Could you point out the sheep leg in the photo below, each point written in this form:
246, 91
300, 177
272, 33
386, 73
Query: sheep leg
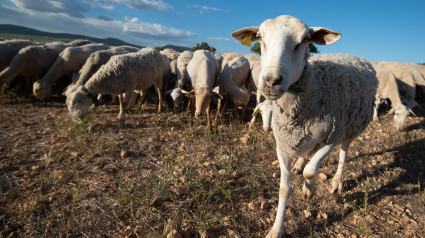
123, 105
298, 166
143, 94
215, 123
284, 190
312, 168
159, 91
375, 109
209, 118
254, 117
337, 179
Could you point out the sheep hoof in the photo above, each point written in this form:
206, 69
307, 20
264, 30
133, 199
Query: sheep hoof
336, 186
296, 170
308, 193
251, 126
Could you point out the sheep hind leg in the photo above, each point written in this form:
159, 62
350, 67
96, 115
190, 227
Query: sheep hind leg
337, 179
284, 191
299, 165
312, 168
123, 103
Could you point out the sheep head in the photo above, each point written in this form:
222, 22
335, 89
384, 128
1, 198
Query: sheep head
79, 101
400, 114
266, 109
202, 98
42, 89
284, 50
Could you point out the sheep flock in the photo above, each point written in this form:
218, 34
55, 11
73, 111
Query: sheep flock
310, 104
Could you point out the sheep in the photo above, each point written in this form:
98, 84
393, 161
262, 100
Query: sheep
387, 88
178, 91
203, 72
9, 48
93, 63
418, 72
68, 62
122, 74
227, 57
232, 80
80, 42
32, 62
405, 82
332, 100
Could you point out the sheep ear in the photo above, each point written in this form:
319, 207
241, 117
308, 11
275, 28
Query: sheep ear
246, 35
217, 95
190, 94
324, 36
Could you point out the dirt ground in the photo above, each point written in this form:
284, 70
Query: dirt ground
158, 175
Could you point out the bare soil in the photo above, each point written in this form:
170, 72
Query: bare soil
159, 175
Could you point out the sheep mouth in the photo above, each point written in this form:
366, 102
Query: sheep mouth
273, 93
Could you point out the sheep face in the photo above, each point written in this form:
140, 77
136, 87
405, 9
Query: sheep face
400, 114
202, 100
177, 96
42, 89
284, 50
243, 99
78, 102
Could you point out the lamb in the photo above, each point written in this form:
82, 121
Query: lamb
68, 62
183, 79
332, 104
387, 88
232, 80
122, 74
203, 72
32, 62
10, 48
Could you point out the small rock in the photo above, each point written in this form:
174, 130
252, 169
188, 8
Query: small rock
323, 176
123, 153
203, 233
276, 175
222, 172
276, 162
374, 162
251, 206
307, 213
264, 205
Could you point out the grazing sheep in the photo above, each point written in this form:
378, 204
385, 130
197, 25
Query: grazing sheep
32, 62
405, 81
94, 62
232, 81
387, 88
9, 48
68, 62
266, 109
122, 74
332, 102
80, 42
203, 72
418, 72
183, 79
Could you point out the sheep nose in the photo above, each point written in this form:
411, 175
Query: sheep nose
273, 81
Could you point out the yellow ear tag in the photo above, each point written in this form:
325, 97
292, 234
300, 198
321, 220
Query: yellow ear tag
192, 96
247, 39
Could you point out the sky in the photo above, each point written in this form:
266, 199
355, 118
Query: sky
375, 30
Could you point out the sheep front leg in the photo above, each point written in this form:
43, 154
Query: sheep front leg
209, 118
215, 123
337, 179
159, 91
123, 105
254, 117
375, 109
284, 190
312, 168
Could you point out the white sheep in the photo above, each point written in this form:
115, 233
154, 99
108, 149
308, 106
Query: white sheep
227, 57
32, 62
9, 48
203, 72
233, 79
332, 105
122, 74
93, 63
387, 88
69, 61
182, 80
405, 81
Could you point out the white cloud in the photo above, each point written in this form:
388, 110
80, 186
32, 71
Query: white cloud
204, 8
145, 4
131, 30
218, 38
69, 7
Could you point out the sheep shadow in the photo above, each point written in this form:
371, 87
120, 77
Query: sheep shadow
409, 161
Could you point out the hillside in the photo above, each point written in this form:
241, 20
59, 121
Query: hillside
9, 31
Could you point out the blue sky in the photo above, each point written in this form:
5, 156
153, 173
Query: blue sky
376, 30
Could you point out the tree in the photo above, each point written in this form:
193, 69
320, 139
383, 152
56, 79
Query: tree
159, 48
203, 46
257, 48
